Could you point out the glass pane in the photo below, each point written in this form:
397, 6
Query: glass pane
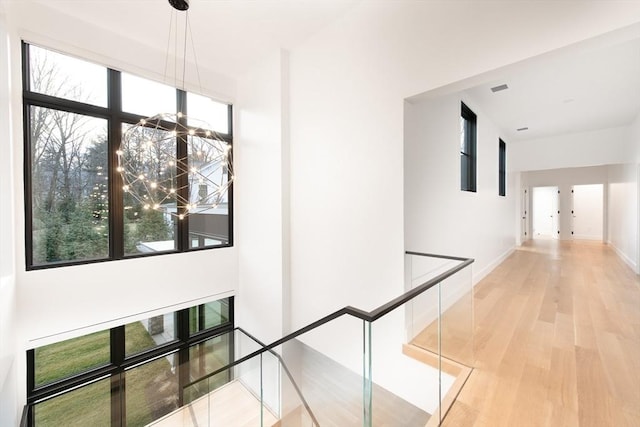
86, 406
149, 174
149, 333
146, 97
208, 315
51, 73
209, 184
69, 186
326, 363
215, 114
151, 391
207, 357
64, 359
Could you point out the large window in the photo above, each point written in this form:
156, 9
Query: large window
75, 114
132, 374
468, 140
502, 168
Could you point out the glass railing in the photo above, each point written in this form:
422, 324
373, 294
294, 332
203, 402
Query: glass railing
258, 391
440, 325
400, 364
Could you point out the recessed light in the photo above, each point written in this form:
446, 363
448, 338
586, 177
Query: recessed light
568, 100
499, 88
522, 129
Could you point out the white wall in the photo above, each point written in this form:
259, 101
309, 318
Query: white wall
9, 406
635, 138
564, 179
261, 190
601, 147
348, 84
55, 304
67, 296
623, 212
347, 89
439, 217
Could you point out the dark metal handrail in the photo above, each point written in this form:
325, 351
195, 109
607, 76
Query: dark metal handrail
369, 316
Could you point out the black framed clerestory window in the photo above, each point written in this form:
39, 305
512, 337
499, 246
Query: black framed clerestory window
502, 168
76, 210
468, 142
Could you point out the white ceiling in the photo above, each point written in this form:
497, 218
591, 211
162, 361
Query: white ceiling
579, 90
240, 32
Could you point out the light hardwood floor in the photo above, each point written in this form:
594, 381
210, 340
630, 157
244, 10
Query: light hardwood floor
232, 405
557, 341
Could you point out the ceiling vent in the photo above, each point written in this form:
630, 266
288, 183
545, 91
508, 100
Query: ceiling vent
499, 88
522, 129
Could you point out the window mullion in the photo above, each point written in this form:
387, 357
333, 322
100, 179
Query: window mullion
117, 344
182, 154
116, 209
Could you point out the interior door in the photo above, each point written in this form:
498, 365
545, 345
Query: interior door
587, 212
545, 212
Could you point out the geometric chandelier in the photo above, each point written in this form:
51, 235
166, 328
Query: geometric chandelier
173, 163
160, 178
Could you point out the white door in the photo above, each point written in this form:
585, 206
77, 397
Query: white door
587, 212
545, 212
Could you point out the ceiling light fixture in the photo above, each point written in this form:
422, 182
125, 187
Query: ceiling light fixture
522, 129
499, 88
173, 163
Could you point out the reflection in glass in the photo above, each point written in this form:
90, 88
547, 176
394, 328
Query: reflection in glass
205, 358
149, 333
148, 226
54, 74
151, 391
69, 186
146, 97
86, 406
208, 183
214, 113
209, 315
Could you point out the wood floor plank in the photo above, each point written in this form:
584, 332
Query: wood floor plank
556, 340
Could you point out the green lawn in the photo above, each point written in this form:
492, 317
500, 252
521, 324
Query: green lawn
151, 389
66, 358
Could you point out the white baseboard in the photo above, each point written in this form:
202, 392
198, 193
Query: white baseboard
477, 277
625, 258
587, 237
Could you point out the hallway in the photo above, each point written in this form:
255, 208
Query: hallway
557, 341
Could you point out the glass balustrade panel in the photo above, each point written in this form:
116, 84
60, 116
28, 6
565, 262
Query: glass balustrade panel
405, 379
151, 390
326, 365
439, 325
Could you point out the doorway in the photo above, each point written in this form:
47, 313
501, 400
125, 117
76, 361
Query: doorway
545, 213
587, 212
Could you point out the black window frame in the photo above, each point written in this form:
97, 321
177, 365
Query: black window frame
468, 150
116, 118
120, 362
502, 168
